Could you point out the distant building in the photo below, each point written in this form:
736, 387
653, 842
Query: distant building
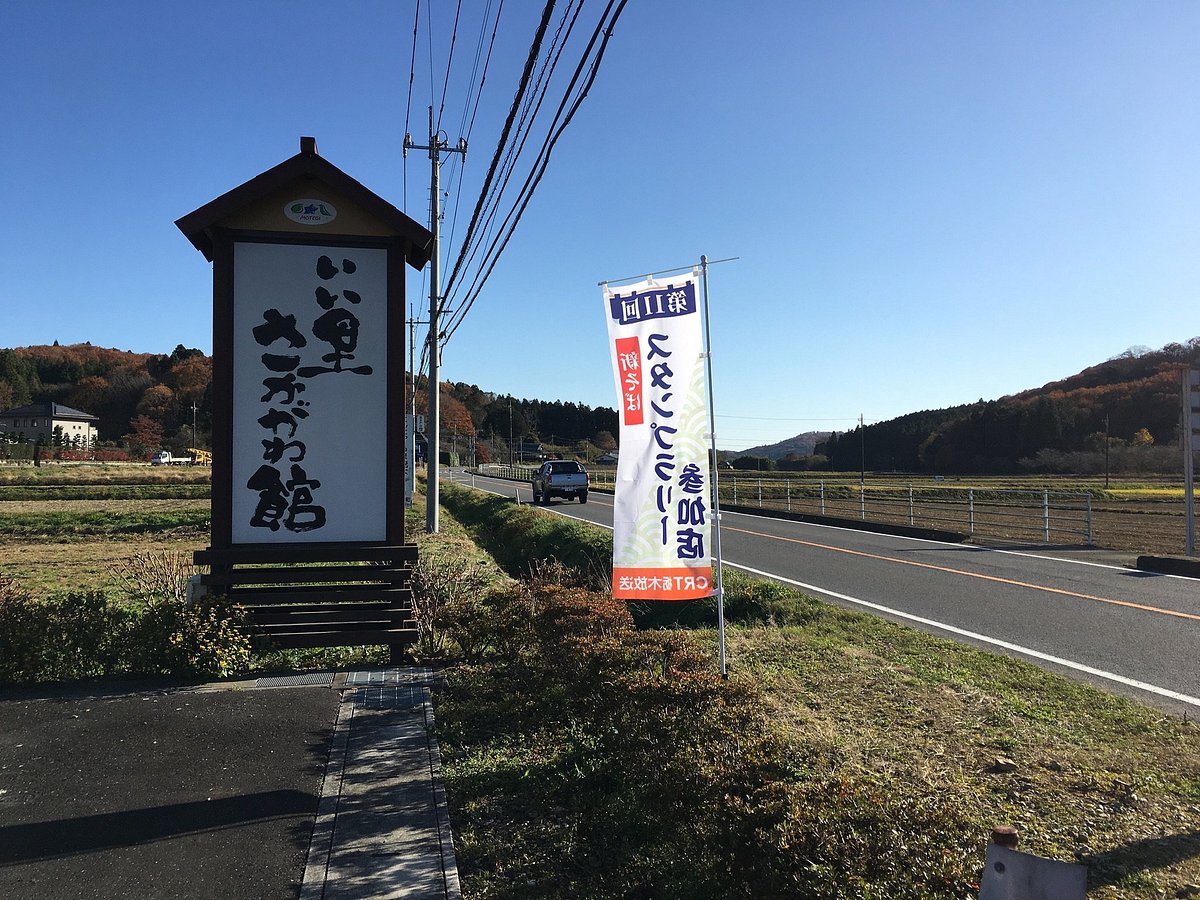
42, 422
607, 459
530, 450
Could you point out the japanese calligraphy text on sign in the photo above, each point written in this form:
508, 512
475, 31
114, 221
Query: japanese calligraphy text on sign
310, 398
661, 510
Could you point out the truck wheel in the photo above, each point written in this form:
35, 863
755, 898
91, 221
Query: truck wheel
533, 489
583, 497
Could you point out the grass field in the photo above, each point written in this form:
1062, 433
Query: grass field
867, 703
73, 524
889, 717
77, 526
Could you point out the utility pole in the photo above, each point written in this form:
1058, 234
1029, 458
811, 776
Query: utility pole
1106, 451
862, 435
410, 431
437, 145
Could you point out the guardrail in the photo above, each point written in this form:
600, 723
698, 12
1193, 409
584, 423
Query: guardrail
1051, 516
1014, 514
513, 473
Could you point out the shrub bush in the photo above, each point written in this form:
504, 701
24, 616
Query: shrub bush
593, 759
448, 580
82, 634
519, 537
524, 539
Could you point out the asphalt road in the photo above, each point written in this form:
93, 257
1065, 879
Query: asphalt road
1129, 631
132, 792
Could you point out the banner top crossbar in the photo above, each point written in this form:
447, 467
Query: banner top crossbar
674, 271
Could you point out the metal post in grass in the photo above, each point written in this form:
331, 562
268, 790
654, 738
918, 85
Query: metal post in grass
1189, 393
1046, 515
760, 492
1089, 519
788, 485
719, 591
970, 510
822, 498
862, 501
911, 520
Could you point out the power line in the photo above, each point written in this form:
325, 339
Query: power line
530, 61
412, 71
458, 166
792, 419
429, 43
604, 27
542, 160
449, 60
530, 108
486, 64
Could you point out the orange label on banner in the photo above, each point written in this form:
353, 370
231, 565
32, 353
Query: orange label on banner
662, 584
629, 369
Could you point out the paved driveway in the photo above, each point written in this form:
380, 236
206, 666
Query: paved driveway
160, 792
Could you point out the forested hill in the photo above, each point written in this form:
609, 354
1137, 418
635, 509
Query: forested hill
144, 396
1133, 399
147, 401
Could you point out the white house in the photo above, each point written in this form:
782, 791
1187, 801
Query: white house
39, 422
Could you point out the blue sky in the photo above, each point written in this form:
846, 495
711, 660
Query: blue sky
931, 202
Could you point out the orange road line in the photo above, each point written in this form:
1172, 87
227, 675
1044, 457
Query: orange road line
995, 578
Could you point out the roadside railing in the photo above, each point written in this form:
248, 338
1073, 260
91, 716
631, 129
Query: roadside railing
1061, 517
513, 473
1049, 516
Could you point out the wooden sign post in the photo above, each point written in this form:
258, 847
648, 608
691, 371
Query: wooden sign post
308, 403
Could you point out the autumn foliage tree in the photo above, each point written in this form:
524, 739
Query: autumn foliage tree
145, 436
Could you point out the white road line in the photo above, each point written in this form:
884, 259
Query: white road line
973, 635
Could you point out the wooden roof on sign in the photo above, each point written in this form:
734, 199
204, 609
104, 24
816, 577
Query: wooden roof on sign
302, 176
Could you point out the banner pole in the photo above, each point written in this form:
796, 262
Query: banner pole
714, 474
1188, 461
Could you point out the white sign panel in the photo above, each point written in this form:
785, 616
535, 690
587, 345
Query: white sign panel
661, 513
309, 393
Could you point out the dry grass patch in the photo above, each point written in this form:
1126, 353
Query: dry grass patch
103, 473
1084, 775
44, 567
22, 507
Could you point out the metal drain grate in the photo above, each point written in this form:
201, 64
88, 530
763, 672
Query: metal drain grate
309, 679
406, 675
402, 696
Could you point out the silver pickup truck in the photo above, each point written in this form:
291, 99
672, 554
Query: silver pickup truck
560, 478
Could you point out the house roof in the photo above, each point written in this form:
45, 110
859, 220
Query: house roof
48, 411
305, 166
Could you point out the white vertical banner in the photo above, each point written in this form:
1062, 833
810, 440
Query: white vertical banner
661, 512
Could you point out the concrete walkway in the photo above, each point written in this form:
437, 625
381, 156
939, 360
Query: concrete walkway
119, 789
382, 829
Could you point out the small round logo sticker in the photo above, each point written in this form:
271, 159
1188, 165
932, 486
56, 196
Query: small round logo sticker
310, 212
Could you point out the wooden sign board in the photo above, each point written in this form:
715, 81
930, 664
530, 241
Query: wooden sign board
308, 375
